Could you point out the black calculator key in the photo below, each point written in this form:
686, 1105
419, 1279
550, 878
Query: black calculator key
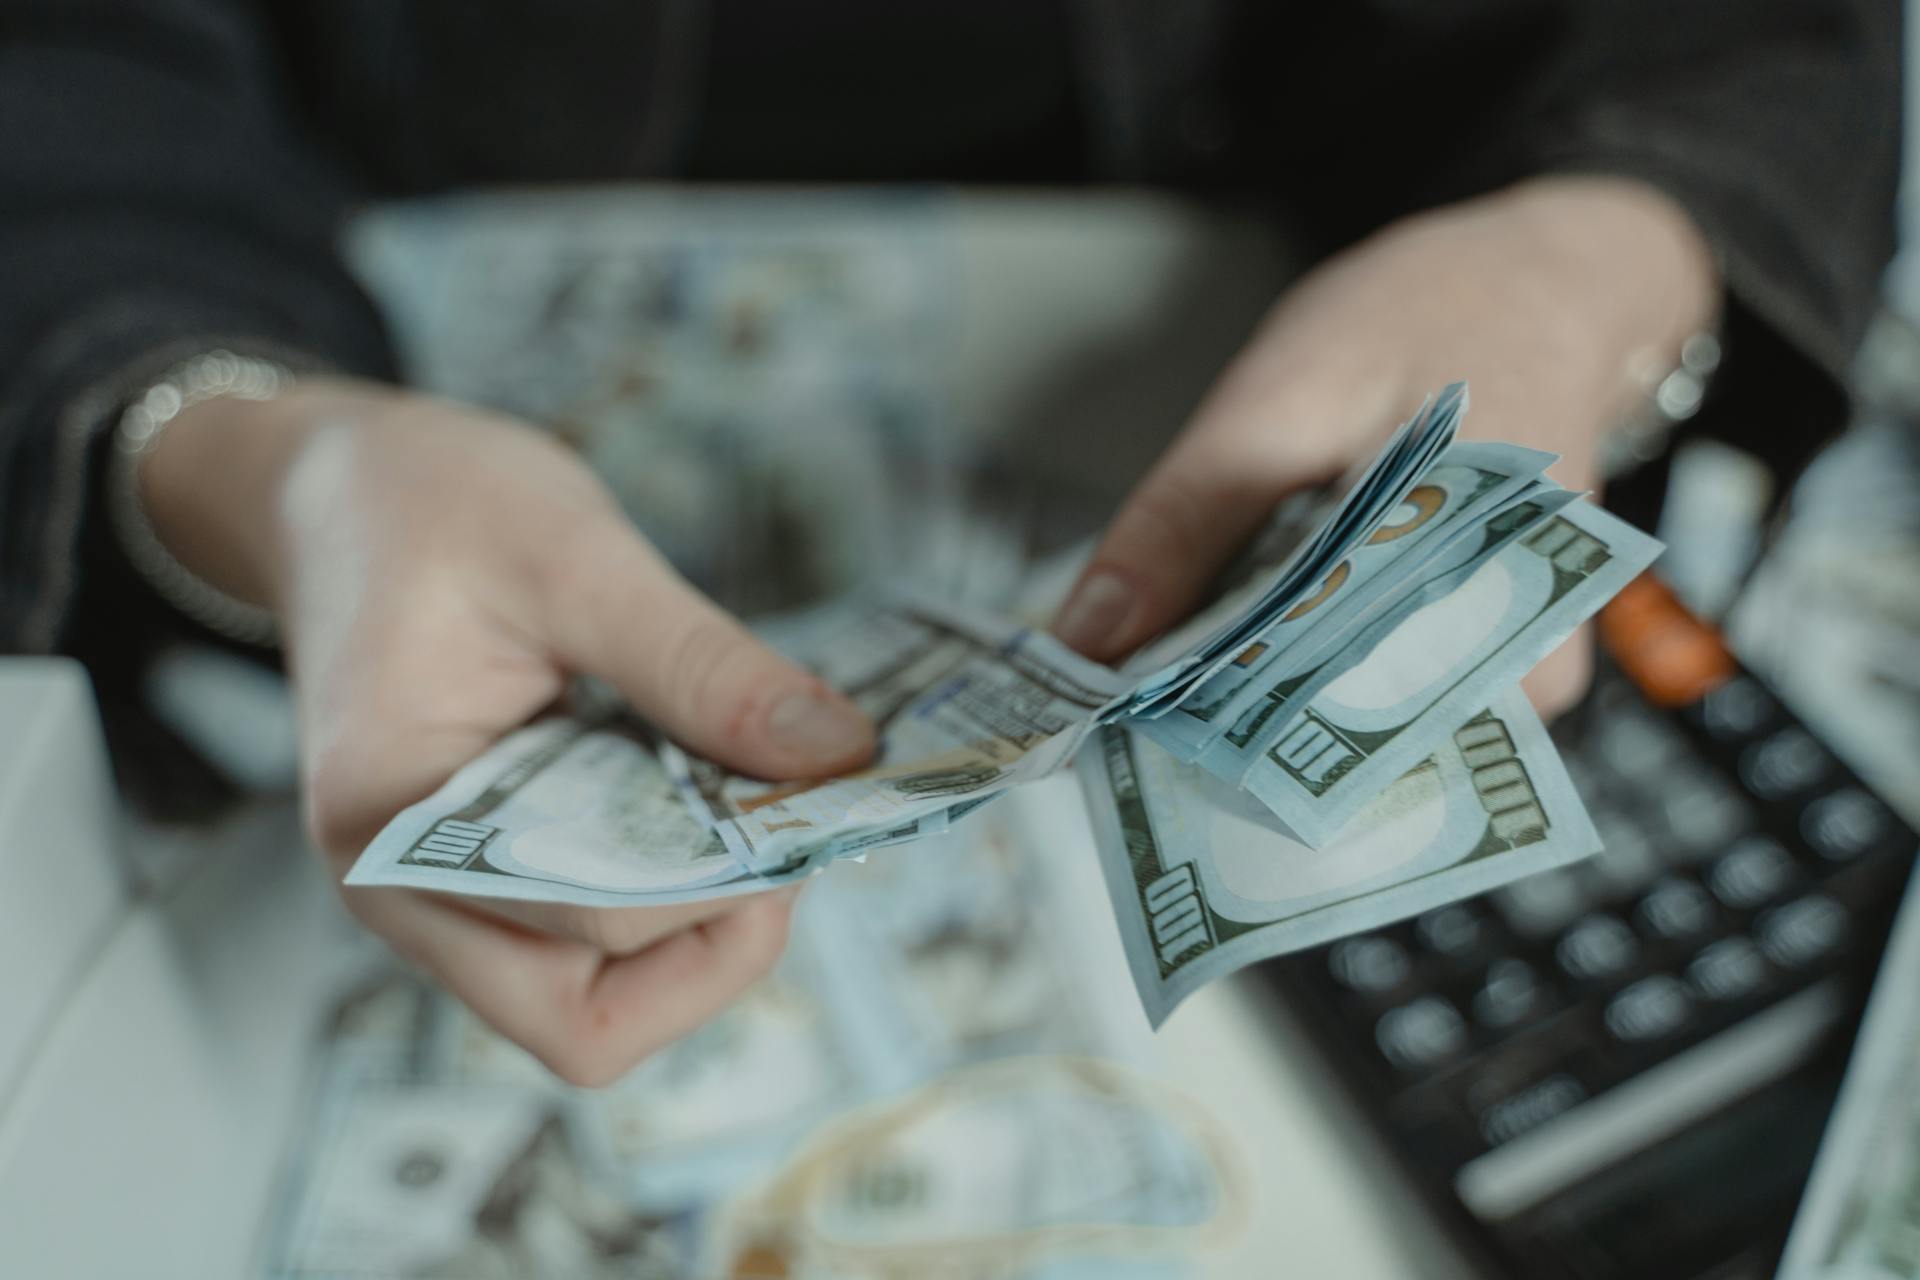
1371, 964
1803, 932
1786, 764
1628, 860
1634, 745
1421, 1034
1655, 1008
1846, 824
1753, 872
1539, 906
1737, 709
1598, 947
1506, 1118
1511, 993
1703, 813
1457, 930
1728, 970
1676, 908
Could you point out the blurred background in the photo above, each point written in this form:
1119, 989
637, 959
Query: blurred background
1622, 1069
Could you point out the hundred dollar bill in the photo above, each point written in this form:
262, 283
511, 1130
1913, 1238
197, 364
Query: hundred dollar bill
1370, 626
1026, 1167
1860, 1216
1472, 483
561, 811
1306, 541
1203, 881
1342, 733
966, 708
601, 813
1254, 717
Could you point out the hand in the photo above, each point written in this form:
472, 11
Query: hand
1543, 296
438, 573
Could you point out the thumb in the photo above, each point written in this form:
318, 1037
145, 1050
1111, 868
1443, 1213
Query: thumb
1171, 538
615, 609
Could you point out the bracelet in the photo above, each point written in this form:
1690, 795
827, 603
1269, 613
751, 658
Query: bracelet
205, 377
1673, 394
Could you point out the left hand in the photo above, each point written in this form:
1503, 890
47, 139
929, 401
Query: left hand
1542, 296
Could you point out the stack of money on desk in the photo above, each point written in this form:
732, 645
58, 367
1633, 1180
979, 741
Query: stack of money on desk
1336, 742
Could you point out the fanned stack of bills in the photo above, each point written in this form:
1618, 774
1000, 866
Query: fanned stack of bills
1336, 742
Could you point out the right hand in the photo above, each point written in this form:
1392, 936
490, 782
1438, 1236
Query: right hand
438, 573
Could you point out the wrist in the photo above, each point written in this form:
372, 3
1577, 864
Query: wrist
212, 483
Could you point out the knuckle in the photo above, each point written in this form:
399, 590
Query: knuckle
576, 1042
613, 932
583, 1066
1169, 520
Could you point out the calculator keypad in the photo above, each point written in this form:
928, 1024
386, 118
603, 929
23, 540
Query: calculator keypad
1740, 859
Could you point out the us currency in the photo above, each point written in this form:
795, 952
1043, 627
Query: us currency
603, 814
1365, 628
965, 708
1470, 484
1339, 734
1302, 546
1860, 1216
1204, 881
405, 1170
1033, 1168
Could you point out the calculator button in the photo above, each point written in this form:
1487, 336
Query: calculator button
1753, 871
1651, 1009
1511, 993
1802, 931
1703, 816
1634, 745
1737, 709
1422, 1033
1845, 824
1528, 1108
1541, 904
1369, 965
1676, 909
1626, 862
1455, 930
1600, 946
1727, 970
1785, 764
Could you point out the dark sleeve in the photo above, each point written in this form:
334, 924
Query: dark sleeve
1774, 123
157, 199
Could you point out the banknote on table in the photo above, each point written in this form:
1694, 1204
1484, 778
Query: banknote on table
1860, 1216
1204, 881
1030, 1168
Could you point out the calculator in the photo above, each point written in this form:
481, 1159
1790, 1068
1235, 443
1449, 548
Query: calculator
1622, 1068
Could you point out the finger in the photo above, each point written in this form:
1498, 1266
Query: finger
1559, 680
615, 609
588, 1018
649, 999
613, 931
1171, 538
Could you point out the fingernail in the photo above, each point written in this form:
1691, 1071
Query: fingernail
807, 724
1094, 613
